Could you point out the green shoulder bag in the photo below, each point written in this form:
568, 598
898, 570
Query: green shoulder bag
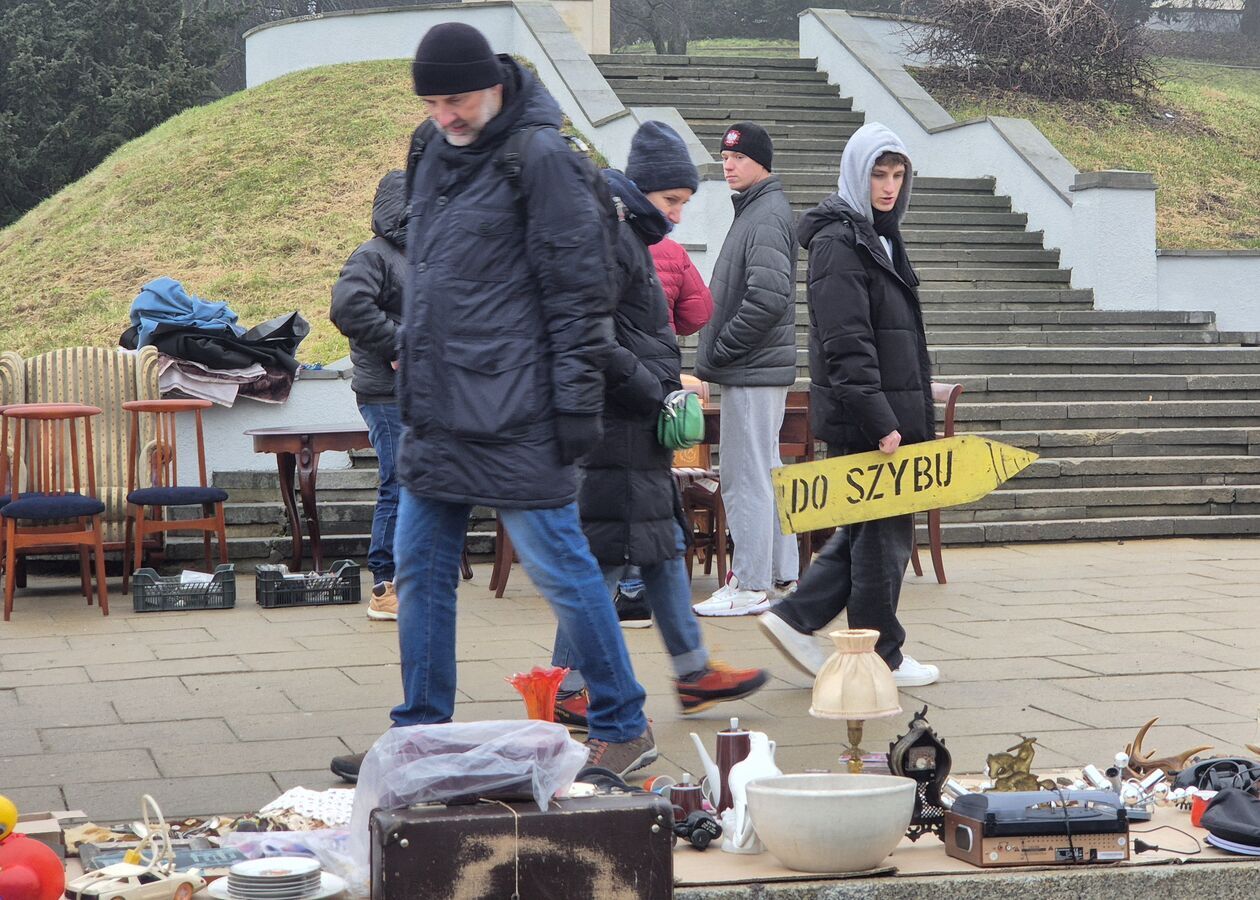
681, 422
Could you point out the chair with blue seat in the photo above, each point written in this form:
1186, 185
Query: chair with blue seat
52, 452
164, 490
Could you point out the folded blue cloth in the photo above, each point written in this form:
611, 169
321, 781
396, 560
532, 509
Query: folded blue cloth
165, 300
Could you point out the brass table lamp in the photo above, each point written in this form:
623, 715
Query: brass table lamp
854, 685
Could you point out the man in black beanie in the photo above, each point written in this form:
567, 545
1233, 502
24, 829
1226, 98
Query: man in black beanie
749, 347
506, 332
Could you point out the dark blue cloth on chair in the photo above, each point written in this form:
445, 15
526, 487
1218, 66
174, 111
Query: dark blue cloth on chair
192, 495
52, 506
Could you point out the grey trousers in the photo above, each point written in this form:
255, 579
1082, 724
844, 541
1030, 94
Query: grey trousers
749, 449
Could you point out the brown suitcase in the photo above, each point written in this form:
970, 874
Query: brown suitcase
609, 846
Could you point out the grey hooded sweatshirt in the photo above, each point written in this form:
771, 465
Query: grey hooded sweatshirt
751, 339
869, 368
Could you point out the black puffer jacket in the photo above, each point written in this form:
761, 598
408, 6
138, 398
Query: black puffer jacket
628, 500
751, 339
868, 361
367, 300
508, 321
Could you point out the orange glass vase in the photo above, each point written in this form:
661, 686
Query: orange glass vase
539, 687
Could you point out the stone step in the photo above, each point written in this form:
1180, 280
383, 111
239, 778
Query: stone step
1067, 320
759, 63
930, 219
1024, 299
617, 73
695, 90
971, 274
923, 255
971, 238
836, 114
1140, 387
780, 105
1001, 417
1120, 442
955, 200
1141, 471
1102, 337
1040, 504
1100, 529
951, 361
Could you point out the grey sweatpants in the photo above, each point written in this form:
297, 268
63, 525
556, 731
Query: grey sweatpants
749, 449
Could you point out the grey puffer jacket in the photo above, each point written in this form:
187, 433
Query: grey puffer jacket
508, 321
751, 339
367, 300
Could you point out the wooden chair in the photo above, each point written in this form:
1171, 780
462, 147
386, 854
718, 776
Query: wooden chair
705, 509
46, 437
947, 393
162, 456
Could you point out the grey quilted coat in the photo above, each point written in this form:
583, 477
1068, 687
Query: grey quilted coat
751, 339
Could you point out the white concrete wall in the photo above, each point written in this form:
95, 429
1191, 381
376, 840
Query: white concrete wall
1224, 282
321, 400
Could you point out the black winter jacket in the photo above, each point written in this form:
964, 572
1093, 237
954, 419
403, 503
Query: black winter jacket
508, 320
868, 360
628, 500
751, 338
367, 300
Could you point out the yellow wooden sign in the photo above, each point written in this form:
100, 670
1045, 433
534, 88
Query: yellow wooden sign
874, 485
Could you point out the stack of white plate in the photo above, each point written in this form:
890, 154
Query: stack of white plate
277, 878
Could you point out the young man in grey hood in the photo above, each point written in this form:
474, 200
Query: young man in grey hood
870, 389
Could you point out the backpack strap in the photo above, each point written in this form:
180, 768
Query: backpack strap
420, 139
511, 158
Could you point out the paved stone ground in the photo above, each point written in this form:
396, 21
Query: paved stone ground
219, 711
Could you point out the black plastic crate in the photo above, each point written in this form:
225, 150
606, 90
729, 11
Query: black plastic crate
276, 586
151, 592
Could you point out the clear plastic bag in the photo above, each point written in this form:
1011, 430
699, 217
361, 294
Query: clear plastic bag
437, 763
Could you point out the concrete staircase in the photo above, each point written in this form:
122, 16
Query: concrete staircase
1148, 423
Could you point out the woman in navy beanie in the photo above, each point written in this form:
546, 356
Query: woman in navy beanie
628, 502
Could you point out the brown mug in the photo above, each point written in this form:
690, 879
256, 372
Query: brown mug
687, 798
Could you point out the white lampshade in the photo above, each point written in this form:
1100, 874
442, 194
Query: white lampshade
854, 682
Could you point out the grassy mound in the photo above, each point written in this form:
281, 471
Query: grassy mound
1200, 138
256, 199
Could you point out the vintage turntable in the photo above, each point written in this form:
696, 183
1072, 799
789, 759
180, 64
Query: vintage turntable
1037, 828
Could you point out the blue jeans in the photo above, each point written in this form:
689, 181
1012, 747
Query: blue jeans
556, 557
668, 592
385, 430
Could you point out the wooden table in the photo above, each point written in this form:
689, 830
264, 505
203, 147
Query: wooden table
298, 447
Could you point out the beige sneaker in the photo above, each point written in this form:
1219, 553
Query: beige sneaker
384, 602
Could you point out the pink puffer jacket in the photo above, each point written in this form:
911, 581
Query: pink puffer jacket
690, 303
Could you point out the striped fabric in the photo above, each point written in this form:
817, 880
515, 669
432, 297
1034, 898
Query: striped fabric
98, 376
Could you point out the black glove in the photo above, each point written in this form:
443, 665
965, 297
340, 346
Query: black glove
577, 435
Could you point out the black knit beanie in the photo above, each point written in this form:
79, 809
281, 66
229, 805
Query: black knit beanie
751, 140
454, 58
659, 160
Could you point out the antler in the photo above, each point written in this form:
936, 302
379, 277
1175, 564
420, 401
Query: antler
1141, 764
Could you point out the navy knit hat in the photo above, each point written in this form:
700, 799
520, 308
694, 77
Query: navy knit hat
659, 160
750, 139
454, 58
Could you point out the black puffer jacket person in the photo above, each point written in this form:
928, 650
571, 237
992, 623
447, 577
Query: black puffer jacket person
751, 339
870, 373
628, 500
367, 300
508, 324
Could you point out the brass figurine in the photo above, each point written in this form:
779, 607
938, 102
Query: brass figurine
1141, 764
1012, 770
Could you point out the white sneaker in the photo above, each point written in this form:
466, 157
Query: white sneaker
805, 651
737, 602
729, 587
912, 673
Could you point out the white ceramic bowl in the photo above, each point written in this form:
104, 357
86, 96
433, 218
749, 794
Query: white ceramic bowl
831, 822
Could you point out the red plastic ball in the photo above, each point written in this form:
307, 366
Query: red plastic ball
30, 870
